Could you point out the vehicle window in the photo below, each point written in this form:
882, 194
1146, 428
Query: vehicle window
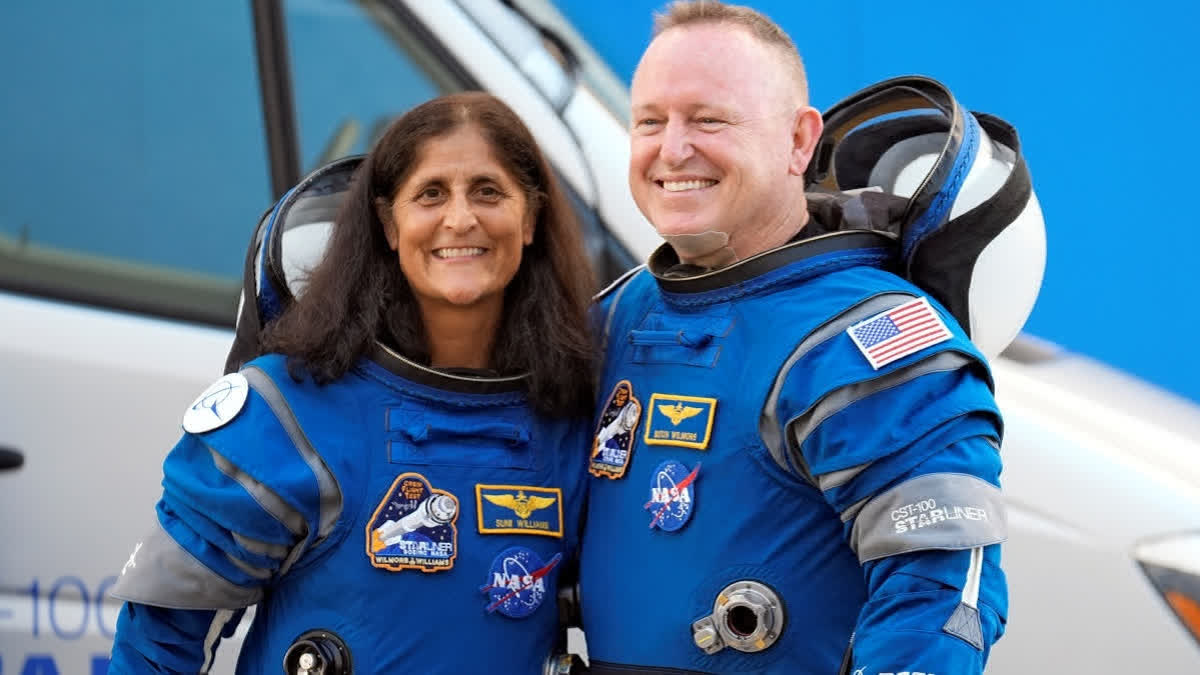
355, 68
134, 155
594, 72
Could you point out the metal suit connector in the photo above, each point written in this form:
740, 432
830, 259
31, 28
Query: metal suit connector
747, 616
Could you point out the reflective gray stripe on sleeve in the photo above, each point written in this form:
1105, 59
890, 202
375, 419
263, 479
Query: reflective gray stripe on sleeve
828, 481
271, 502
948, 511
768, 421
161, 573
261, 547
801, 427
248, 569
852, 510
214, 633
330, 491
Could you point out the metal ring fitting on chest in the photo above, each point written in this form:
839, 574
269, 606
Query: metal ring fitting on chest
747, 616
318, 652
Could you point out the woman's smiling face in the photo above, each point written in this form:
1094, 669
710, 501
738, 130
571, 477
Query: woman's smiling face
458, 223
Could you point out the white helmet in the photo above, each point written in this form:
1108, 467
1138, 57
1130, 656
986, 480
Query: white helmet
972, 233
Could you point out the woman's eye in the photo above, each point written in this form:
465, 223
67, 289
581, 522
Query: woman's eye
429, 194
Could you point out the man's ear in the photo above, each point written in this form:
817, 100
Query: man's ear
383, 209
806, 131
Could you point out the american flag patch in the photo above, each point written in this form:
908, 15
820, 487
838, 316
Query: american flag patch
898, 332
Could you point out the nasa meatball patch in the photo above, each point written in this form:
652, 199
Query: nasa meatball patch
613, 443
414, 527
518, 581
219, 404
672, 495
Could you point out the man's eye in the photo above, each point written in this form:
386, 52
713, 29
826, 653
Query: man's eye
647, 123
709, 121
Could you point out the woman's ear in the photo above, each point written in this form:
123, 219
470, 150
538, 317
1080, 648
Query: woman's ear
528, 229
529, 226
383, 209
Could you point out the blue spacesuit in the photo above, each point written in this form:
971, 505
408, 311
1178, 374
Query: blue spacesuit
790, 451
418, 518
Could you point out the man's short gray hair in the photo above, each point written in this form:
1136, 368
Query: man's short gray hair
682, 13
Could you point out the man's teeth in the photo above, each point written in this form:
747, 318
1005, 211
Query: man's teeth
681, 185
457, 252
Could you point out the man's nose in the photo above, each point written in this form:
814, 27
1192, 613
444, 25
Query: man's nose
676, 143
459, 215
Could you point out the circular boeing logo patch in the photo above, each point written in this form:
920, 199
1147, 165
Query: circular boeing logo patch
672, 495
517, 582
219, 404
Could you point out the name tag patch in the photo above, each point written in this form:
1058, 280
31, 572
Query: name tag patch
615, 433
414, 527
685, 421
519, 509
517, 582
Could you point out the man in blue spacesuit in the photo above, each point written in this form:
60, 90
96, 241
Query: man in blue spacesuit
796, 461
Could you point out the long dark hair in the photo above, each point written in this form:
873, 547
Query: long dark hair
358, 294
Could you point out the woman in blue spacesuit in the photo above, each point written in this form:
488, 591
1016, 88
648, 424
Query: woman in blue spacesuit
395, 485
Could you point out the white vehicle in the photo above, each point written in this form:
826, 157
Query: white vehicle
142, 142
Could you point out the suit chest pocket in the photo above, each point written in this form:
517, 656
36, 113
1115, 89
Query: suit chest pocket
682, 339
498, 438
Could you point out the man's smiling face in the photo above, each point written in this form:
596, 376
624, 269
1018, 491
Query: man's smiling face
713, 136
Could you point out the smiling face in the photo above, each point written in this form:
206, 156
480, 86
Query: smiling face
720, 138
458, 223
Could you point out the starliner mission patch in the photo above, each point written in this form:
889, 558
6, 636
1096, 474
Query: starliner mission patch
414, 527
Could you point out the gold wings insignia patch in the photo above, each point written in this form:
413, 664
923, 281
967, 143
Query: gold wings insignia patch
678, 412
521, 504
